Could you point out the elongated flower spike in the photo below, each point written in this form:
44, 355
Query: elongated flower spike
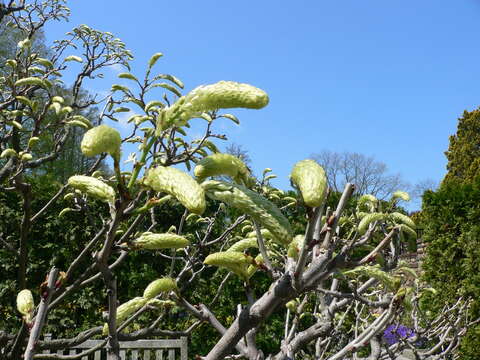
126, 310
309, 177
253, 204
221, 95
244, 244
178, 184
149, 241
159, 286
402, 195
368, 219
221, 164
401, 218
236, 262
93, 187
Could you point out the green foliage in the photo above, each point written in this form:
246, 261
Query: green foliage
463, 153
451, 232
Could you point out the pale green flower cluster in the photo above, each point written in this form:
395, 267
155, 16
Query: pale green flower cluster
236, 262
178, 184
92, 187
391, 282
159, 286
150, 241
25, 304
221, 164
309, 177
221, 95
253, 204
101, 139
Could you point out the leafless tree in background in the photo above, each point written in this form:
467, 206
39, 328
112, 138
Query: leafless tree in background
240, 152
369, 175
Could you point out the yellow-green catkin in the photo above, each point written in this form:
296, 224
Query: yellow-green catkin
253, 204
159, 286
92, 187
221, 95
236, 262
221, 164
25, 304
244, 244
367, 220
101, 139
178, 184
149, 241
309, 177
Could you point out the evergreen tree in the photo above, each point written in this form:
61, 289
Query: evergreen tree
463, 153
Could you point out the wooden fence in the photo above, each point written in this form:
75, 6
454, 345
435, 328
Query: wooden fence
174, 349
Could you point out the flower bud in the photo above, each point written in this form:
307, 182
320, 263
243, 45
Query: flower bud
151, 241
159, 286
8, 153
92, 187
178, 184
221, 95
236, 262
292, 305
33, 141
101, 139
265, 212
310, 179
25, 304
221, 164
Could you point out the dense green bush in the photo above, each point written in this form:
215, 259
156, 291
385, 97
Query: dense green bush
452, 235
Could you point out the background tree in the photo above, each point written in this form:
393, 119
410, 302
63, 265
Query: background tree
71, 160
240, 152
450, 220
369, 175
463, 152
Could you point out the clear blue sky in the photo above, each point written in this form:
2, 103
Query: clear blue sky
382, 78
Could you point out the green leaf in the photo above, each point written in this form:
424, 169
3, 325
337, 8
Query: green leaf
33, 81
231, 117
172, 78
24, 101
77, 123
44, 62
117, 87
154, 59
153, 103
168, 87
127, 76
121, 109
73, 58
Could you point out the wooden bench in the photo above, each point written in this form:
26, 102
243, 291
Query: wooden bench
174, 349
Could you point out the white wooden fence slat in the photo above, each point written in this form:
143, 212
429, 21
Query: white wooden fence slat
184, 348
146, 354
171, 354
159, 354
134, 354
123, 354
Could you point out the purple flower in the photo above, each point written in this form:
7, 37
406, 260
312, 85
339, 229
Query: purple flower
393, 333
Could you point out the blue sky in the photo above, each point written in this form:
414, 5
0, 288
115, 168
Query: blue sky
383, 78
